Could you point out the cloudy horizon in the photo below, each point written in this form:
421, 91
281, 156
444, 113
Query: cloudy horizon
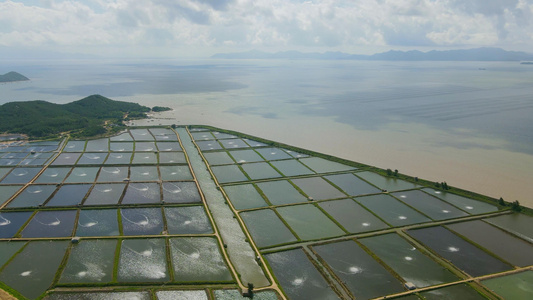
196, 28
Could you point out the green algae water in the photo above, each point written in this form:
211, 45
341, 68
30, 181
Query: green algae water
363, 275
298, 277
32, 271
266, 228
408, 261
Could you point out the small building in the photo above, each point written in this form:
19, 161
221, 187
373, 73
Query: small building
410, 286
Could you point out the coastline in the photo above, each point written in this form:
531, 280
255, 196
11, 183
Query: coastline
494, 172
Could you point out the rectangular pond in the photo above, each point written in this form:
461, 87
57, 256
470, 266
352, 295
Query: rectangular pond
281, 192
515, 286
20, 175
407, 261
142, 193
362, 274
233, 143
516, 223
174, 173
218, 158
105, 194
163, 134
145, 147
69, 195
113, 174
97, 222
352, 216
266, 228
82, 175
32, 196
261, 170
143, 260
244, 196
198, 259
7, 191
321, 165
146, 173
208, 145
429, 205
172, 158
202, 136
141, 135
230, 173
318, 189
119, 158
187, 220
11, 222
59, 223
142, 221
75, 146
386, 183
123, 137
168, 146
309, 222
512, 249
471, 206
32, 271
8, 249
242, 156
92, 159
352, 185
90, 261
66, 159
458, 291
53, 175
181, 192
298, 277
459, 252
291, 167
273, 153
121, 147
391, 210
254, 143
99, 145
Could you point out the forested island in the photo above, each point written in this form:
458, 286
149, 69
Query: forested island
90, 116
12, 77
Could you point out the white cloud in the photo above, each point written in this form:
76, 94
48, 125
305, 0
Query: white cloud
244, 24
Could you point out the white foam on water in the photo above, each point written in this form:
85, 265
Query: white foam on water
365, 224
403, 196
22, 173
35, 191
453, 249
145, 173
298, 281
354, 270
402, 217
408, 258
445, 211
4, 221
88, 224
25, 273
82, 274
242, 160
82, 174
437, 192
173, 173
469, 207
187, 222
144, 222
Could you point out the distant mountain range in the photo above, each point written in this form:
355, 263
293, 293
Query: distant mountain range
477, 54
13, 76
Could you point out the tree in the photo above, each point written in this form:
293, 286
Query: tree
389, 172
501, 202
396, 172
516, 206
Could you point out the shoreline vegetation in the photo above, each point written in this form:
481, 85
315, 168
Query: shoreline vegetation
12, 77
92, 116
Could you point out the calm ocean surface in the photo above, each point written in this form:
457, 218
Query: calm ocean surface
467, 123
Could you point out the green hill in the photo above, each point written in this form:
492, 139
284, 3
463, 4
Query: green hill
13, 76
85, 117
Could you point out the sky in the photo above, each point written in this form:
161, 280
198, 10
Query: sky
199, 28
